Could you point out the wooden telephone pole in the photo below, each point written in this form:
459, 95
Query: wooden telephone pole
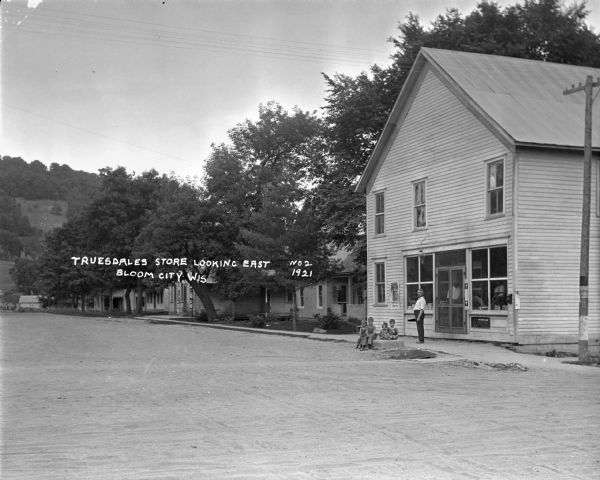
584, 259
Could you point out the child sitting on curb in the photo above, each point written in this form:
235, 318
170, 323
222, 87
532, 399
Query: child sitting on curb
361, 341
384, 333
393, 330
370, 333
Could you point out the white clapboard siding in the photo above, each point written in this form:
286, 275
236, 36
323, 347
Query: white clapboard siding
441, 141
549, 235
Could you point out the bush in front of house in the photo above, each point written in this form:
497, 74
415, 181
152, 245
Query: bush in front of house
257, 321
329, 321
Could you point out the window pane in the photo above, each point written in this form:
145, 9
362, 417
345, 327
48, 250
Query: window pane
411, 295
379, 203
498, 262
451, 258
499, 174
379, 272
493, 201
419, 194
379, 224
428, 294
381, 293
499, 288
426, 268
420, 217
480, 296
479, 263
500, 201
412, 269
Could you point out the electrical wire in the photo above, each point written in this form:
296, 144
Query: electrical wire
129, 32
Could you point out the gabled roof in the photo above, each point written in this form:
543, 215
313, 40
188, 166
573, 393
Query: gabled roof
521, 100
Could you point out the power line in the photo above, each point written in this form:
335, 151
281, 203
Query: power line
115, 21
223, 42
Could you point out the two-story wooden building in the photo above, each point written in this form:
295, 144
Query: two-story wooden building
474, 193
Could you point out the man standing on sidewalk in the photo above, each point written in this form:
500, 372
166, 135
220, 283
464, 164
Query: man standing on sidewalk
420, 315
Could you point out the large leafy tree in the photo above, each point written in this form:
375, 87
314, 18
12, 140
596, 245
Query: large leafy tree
356, 108
186, 226
261, 179
107, 227
123, 206
58, 277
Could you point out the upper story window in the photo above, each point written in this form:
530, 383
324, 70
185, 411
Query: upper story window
380, 282
379, 213
495, 187
419, 204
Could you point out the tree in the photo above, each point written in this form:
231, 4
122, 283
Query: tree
25, 273
58, 276
184, 226
262, 178
356, 108
115, 218
106, 228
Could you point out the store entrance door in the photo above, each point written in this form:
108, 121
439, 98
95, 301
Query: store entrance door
449, 303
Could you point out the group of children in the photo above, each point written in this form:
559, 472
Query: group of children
367, 333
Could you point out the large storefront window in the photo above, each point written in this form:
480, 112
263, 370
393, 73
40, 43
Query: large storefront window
489, 278
419, 273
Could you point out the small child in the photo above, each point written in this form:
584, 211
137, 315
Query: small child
361, 341
370, 332
393, 330
384, 333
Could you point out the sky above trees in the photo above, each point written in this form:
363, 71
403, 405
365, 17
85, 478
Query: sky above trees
151, 84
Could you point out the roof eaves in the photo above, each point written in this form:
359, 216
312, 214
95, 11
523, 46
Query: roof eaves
553, 146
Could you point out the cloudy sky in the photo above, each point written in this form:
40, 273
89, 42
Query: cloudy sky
152, 83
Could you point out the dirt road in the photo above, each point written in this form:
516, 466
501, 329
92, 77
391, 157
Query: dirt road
90, 398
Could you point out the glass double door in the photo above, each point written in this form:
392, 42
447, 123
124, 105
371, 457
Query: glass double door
450, 300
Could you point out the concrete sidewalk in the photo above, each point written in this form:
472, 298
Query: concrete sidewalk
446, 350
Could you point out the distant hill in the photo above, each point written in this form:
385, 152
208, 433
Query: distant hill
45, 215
34, 181
35, 199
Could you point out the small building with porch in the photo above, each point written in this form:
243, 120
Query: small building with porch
474, 193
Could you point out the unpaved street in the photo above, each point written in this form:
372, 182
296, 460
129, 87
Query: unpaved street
87, 398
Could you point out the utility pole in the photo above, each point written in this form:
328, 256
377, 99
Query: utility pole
584, 259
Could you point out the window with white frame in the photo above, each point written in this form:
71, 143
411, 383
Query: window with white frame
419, 274
320, 296
380, 282
301, 297
379, 213
489, 278
495, 187
420, 204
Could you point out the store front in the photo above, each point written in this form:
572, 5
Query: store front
465, 289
